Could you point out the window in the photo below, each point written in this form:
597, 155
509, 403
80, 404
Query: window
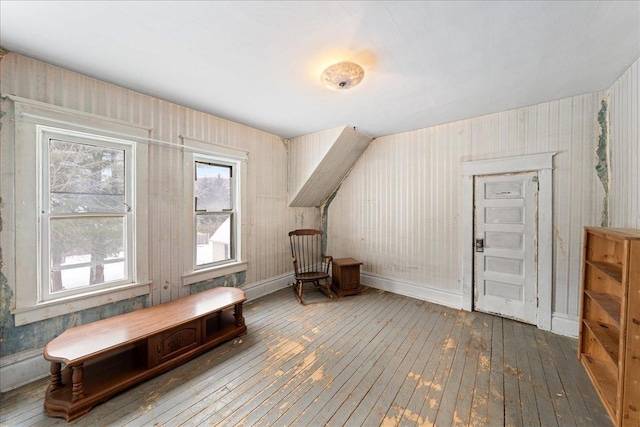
87, 214
213, 183
75, 186
214, 213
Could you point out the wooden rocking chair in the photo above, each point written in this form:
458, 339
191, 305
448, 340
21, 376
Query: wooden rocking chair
309, 263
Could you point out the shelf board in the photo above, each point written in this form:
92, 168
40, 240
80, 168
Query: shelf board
605, 380
608, 302
615, 233
220, 327
612, 270
101, 378
607, 335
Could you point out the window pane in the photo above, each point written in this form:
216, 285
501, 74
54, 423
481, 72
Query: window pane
85, 178
213, 187
213, 243
86, 252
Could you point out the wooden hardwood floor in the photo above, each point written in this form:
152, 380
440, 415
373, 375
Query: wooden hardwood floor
367, 360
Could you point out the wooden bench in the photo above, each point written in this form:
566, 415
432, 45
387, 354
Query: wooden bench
105, 357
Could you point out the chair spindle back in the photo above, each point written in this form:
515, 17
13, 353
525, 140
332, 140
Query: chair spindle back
306, 250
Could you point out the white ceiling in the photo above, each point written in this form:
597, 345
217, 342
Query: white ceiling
258, 63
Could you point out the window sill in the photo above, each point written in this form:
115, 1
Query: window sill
49, 309
213, 272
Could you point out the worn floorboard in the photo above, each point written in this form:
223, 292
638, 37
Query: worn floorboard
414, 366
367, 360
482, 385
425, 379
325, 353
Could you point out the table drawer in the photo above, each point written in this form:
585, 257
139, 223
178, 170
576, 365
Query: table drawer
174, 342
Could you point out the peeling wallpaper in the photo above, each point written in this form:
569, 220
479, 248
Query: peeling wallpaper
232, 280
602, 164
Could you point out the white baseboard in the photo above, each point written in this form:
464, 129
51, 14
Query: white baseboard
419, 291
561, 324
566, 325
22, 368
267, 286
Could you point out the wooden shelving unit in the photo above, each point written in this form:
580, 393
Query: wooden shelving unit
609, 341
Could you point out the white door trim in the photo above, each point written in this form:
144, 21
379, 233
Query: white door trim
543, 164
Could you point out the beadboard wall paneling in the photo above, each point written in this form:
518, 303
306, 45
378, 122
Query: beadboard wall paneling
624, 140
399, 210
266, 220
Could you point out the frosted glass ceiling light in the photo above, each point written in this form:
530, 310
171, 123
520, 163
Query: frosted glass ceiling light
343, 75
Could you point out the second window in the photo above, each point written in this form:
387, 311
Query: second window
214, 213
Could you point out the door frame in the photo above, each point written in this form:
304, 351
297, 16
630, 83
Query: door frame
543, 164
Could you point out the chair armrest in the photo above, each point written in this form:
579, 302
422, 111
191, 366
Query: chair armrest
328, 259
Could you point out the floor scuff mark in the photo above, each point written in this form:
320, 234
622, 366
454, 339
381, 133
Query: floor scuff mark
423, 383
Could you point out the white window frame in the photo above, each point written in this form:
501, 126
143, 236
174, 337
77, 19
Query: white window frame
21, 190
45, 134
215, 161
206, 152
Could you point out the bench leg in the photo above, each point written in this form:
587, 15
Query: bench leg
77, 377
237, 312
55, 381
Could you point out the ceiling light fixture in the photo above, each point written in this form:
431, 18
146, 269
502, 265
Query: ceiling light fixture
343, 75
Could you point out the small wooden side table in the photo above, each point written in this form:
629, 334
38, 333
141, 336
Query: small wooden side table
346, 277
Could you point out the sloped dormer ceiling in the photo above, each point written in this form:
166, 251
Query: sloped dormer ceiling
318, 162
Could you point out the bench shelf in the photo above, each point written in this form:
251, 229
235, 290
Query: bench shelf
108, 356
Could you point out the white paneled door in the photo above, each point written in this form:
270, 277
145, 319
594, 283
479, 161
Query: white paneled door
505, 245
